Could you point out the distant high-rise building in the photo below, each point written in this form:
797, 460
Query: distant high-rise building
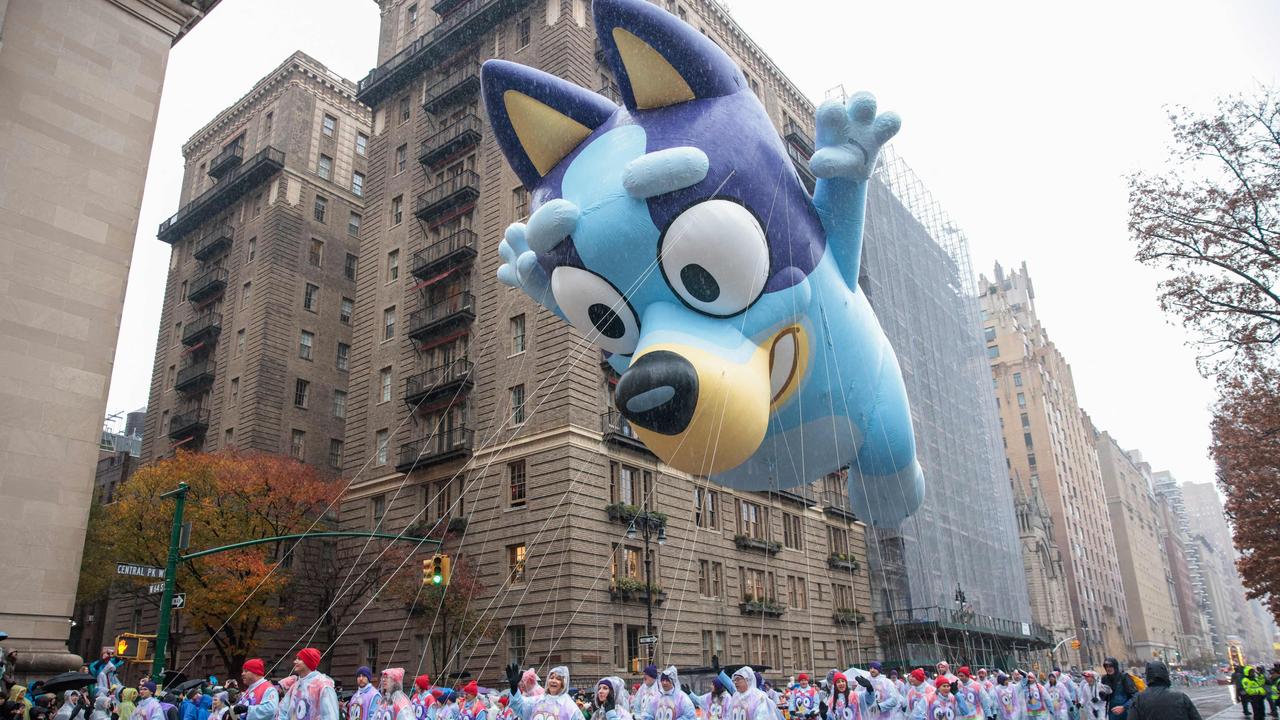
1137, 524
80, 83
1049, 446
1201, 629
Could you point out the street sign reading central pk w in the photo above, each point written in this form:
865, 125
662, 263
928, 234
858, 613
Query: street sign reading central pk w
143, 571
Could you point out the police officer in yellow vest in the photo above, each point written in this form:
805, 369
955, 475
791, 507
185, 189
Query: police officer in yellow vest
1274, 681
1254, 686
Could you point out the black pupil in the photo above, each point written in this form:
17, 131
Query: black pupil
699, 283
606, 321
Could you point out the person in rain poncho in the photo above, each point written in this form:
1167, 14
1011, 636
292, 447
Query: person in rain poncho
217, 707
394, 703
884, 701
148, 707
945, 704
124, 709
846, 702
671, 703
504, 711
106, 675
610, 701
915, 701
364, 700
647, 691
530, 684
1073, 693
75, 706
311, 696
1059, 698
1005, 703
715, 704
260, 699
1036, 704
971, 692
471, 706
423, 699
1093, 697
803, 700
554, 704
749, 702
101, 708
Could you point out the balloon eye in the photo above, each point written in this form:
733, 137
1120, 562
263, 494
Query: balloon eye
596, 308
715, 257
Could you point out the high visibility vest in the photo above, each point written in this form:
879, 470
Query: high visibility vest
1251, 686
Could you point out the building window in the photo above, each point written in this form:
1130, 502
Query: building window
353, 224
301, 393
269, 122
340, 403
629, 485
792, 531
328, 125
989, 334
515, 562
310, 297
1026, 421
381, 439
993, 351
753, 520
235, 391
324, 168
335, 453
402, 158
519, 203
1017, 379
306, 341
239, 342
357, 184
182, 295
321, 205
349, 267
362, 144
797, 592
411, 16
523, 27
164, 423
517, 404
1026, 440
397, 209
837, 541
257, 205
404, 109
710, 578
517, 644
228, 437
171, 376
315, 254
384, 384
345, 308
1022, 400
516, 481
757, 585
297, 444
517, 334
389, 323
705, 511
344, 354
393, 265
246, 294
371, 652
253, 248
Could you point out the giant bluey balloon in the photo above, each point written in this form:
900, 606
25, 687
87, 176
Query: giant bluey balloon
675, 234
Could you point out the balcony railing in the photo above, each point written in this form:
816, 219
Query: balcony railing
462, 25
456, 137
207, 285
454, 192
450, 378
801, 161
617, 430
189, 422
195, 376
458, 248
452, 88
227, 160
204, 328
929, 618
214, 243
612, 92
231, 188
454, 310
440, 447
798, 136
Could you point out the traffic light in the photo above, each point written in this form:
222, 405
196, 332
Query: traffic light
133, 647
436, 570
1075, 644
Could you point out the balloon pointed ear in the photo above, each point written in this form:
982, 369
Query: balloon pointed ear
658, 59
537, 118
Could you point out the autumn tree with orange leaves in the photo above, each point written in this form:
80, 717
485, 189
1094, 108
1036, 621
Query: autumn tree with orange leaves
1211, 220
233, 598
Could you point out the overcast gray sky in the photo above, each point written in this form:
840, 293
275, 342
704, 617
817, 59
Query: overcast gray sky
1023, 118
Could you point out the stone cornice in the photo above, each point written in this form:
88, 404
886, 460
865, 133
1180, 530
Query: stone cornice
171, 17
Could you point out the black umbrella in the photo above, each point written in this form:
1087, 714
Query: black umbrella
188, 685
63, 682
173, 677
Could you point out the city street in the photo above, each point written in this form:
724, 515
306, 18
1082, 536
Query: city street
1214, 701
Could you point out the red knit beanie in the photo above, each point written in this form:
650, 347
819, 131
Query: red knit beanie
255, 666
309, 657
422, 681
918, 674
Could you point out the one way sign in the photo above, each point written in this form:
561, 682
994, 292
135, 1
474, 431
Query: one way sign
179, 601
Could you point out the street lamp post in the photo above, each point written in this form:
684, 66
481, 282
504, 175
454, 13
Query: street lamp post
1085, 658
649, 525
960, 616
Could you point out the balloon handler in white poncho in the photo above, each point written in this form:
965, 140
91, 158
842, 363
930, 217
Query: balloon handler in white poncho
554, 704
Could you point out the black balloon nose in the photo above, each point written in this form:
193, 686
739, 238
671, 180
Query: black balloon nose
659, 392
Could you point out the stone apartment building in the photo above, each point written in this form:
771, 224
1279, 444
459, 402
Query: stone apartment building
1145, 570
255, 334
1048, 446
1198, 621
474, 410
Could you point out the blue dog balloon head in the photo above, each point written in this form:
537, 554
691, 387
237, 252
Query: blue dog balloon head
675, 233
